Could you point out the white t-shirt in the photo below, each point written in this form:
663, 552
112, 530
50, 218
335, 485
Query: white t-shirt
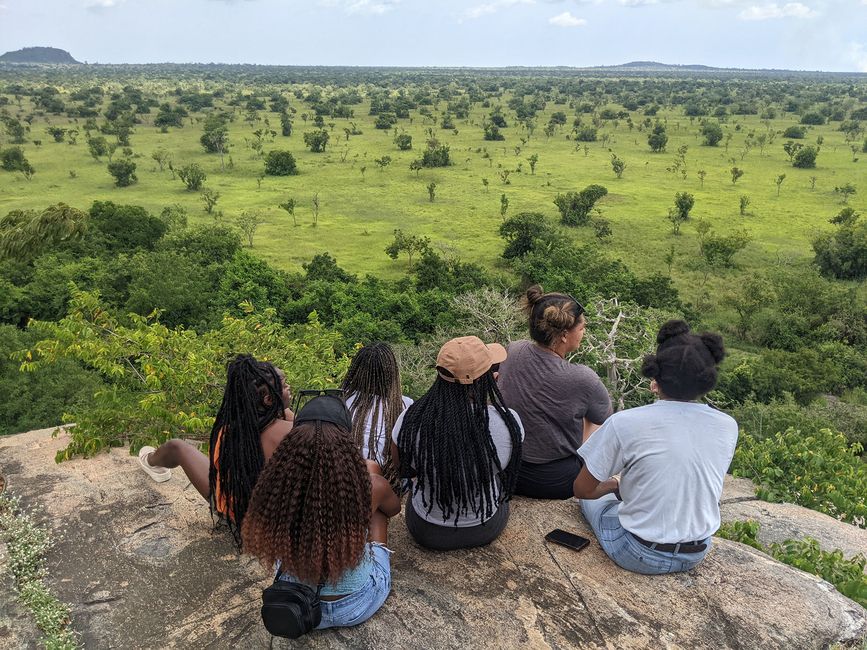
502, 442
381, 434
672, 457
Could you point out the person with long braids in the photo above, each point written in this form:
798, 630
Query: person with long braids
560, 403
253, 418
672, 456
373, 396
461, 447
320, 513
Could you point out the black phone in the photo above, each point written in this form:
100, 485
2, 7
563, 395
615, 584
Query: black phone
569, 540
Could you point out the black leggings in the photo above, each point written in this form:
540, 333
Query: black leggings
448, 537
552, 480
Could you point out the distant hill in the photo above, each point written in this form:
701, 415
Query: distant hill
38, 55
655, 65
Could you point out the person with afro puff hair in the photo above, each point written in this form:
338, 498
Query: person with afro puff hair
672, 456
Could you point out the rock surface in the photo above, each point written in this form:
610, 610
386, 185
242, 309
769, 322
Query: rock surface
143, 567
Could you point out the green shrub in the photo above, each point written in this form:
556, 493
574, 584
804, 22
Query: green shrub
280, 163
818, 470
806, 554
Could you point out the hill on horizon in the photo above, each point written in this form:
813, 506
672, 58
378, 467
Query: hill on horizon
38, 55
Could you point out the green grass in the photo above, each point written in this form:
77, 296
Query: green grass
359, 214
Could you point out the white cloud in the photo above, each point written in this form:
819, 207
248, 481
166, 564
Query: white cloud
773, 10
99, 5
492, 7
373, 7
566, 19
637, 3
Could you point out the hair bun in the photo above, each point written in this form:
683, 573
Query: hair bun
650, 367
714, 344
671, 329
534, 294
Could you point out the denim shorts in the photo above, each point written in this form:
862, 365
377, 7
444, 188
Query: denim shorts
360, 605
624, 549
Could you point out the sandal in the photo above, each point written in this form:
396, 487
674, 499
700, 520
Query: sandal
159, 474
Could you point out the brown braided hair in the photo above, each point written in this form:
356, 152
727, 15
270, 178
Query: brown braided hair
373, 379
311, 506
550, 314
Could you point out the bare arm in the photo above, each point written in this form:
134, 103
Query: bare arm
274, 434
382, 497
586, 486
589, 428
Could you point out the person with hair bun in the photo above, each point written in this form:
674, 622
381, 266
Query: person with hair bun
560, 403
320, 513
671, 455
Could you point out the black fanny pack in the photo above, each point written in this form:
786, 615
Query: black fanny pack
290, 609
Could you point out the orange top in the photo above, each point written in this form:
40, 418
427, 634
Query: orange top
221, 501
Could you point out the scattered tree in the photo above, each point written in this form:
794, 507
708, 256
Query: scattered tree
249, 221
123, 171
316, 209
280, 163
618, 165
193, 176
409, 244
289, 206
701, 176
161, 157
658, 138
316, 140
431, 192
779, 181
504, 205
744, 203
210, 198
736, 173
845, 191
403, 141
712, 133
805, 158
533, 159
575, 207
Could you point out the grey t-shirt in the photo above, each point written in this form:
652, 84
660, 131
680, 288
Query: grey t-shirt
502, 442
553, 397
671, 457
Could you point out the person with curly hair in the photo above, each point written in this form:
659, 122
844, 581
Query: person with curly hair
373, 396
253, 418
320, 513
560, 403
461, 447
671, 455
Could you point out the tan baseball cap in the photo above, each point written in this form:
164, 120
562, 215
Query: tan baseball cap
468, 358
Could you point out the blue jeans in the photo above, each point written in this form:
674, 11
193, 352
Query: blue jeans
360, 605
624, 549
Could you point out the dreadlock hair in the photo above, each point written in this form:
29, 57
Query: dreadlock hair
374, 380
445, 443
550, 314
311, 506
685, 364
235, 436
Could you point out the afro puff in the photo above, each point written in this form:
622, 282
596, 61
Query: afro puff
685, 364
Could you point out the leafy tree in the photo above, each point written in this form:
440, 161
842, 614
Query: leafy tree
658, 138
805, 158
289, 206
736, 173
575, 207
813, 118
585, 134
383, 162
315, 204
249, 221
436, 155
385, 121
712, 133
791, 148
683, 203
215, 138
125, 227
97, 146
123, 171
416, 166
193, 176
13, 160
403, 141
409, 244
316, 140
168, 382
618, 165
162, 157
843, 253
533, 159
431, 192
492, 133
57, 132
701, 176
846, 190
169, 115
779, 181
210, 198
719, 250
504, 205
280, 163
795, 133
26, 234
744, 202
524, 232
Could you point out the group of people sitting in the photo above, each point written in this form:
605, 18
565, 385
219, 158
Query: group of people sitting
311, 493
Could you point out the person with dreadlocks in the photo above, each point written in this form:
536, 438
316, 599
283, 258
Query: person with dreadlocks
373, 396
320, 512
461, 447
672, 456
253, 418
561, 403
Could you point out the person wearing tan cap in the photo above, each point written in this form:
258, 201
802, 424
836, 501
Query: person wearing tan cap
461, 448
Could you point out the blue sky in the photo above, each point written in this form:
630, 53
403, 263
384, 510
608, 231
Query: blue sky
802, 35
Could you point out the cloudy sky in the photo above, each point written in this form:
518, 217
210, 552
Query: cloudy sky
801, 35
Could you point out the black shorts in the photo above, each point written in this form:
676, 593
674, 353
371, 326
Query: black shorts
551, 480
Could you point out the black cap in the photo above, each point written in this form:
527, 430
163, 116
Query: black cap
326, 408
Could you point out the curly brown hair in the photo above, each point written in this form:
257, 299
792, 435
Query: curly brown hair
311, 506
